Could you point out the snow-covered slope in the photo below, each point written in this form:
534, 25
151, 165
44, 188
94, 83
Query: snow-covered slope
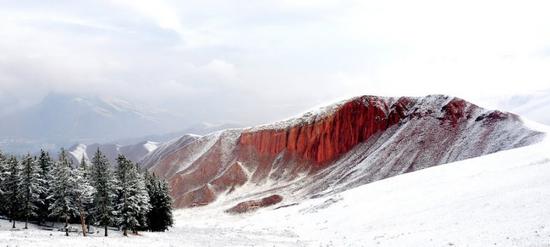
169, 147
499, 199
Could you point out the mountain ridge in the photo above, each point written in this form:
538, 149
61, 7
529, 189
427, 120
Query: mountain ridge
338, 147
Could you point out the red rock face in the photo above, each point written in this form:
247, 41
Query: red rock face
193, 186
326, 139
253, 205
231, 178
455, 111
199, 197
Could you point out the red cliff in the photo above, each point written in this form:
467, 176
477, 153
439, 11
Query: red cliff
325, 139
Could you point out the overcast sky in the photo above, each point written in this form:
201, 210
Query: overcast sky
262, 60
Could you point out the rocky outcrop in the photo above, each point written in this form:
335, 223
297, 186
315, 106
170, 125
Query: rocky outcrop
233, 177
253, 205
199, 197
338, 147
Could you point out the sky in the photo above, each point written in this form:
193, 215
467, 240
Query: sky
258, 61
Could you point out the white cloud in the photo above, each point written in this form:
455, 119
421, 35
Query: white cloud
164, 15
267, 59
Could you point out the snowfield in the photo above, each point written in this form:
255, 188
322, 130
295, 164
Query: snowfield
502, 199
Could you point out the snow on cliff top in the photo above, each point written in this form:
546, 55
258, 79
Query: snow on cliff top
151, 146
309, 116
321, 112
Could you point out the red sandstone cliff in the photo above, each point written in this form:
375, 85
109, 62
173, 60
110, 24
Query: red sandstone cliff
344, 145
325, 139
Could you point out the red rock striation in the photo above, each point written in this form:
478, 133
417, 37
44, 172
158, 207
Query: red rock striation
327, 138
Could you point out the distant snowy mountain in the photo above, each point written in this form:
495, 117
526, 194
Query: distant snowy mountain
62, 120
151, 147
133, 152
199, 129
534, 106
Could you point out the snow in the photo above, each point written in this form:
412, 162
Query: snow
535, 106
79, 152
180, 236
166, 148
151, 146
320, 112
499, 199
309, 116
202, 145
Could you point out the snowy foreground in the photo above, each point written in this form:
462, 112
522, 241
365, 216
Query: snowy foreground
501, 199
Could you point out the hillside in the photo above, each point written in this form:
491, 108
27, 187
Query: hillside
335, 148
499, 199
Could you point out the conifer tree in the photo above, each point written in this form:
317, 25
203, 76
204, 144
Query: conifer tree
82, 192
144, 202
46, 164
132, 198
83, 163
64, 204
103, 180
30, 188
3, 179
160, 216
88, 206
12, 188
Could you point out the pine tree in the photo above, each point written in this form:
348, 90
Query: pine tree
88, 206
160, 216
30, 185
46, 164
82, 192
3, 179
83, 163
132, 198
144, 202
104, 183
64, 204
12, 188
